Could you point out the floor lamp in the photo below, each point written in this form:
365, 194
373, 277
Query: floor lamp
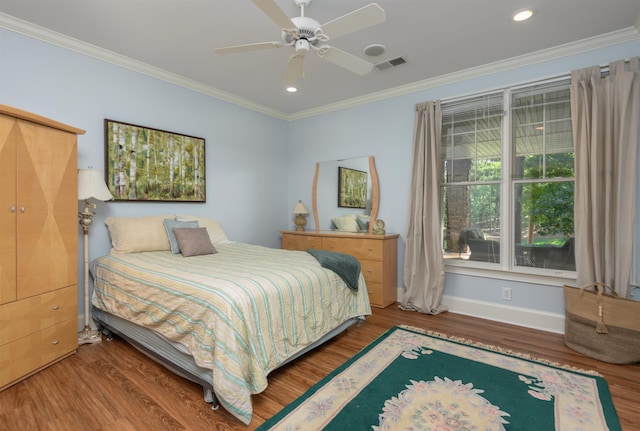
90, 185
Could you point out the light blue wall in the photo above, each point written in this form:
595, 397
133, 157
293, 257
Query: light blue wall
257, 166
384, 129
246, 152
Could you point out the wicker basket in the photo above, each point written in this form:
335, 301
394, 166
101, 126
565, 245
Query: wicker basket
601, 325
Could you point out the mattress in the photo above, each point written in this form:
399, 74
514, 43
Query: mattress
240, 312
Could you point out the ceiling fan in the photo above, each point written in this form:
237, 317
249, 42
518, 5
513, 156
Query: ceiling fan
305, 34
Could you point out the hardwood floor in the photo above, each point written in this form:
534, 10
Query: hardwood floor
111, 386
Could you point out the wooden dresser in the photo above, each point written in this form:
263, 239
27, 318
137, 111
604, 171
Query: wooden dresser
377, 254
38, 243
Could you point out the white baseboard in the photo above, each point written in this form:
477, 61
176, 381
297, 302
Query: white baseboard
536, 319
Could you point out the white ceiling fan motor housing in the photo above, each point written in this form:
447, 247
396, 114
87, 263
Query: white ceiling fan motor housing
306, 27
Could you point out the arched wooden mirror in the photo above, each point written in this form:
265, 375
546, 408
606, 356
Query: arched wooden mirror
346, 195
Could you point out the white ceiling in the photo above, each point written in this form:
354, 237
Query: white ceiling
436, 37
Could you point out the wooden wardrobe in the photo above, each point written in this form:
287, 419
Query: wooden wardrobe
38, 243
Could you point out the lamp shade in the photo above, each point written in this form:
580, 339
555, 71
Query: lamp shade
91, 185
300, 209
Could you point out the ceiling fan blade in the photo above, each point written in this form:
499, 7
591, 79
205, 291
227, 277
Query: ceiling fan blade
249, 47
273, 11
293, 72
364, 17
345, 60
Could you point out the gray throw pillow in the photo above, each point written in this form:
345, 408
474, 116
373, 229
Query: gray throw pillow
194, 241
169, 224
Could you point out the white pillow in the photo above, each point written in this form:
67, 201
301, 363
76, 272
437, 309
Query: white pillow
346, 223
214, 228
137, 234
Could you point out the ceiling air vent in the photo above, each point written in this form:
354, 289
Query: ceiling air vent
390, 63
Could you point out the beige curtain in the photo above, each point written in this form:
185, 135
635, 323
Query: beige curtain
605, 115
423, 261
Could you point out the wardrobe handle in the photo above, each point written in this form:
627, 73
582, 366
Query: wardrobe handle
56, 307
21, 209
56, 342
12, 209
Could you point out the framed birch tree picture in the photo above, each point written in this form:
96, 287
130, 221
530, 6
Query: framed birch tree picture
145, 164
352, 188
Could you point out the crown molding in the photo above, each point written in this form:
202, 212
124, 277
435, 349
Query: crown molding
37, 32
613, 38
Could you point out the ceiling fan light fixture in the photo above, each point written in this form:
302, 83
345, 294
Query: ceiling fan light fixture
302, 46
522, 15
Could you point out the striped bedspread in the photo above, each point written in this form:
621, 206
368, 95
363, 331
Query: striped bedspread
241, 312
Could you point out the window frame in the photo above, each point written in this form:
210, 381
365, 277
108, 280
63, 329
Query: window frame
507, 269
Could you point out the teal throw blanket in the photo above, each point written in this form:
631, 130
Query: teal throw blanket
345, 265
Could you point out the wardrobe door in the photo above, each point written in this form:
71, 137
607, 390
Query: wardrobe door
7, 209
47, 222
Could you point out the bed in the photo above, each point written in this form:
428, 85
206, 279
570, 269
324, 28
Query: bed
224, 320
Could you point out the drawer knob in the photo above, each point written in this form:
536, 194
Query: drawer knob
55, 342
12, 209
370, 270
370, 249
56, 307
22, 209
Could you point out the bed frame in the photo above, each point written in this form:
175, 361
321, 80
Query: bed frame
176, 358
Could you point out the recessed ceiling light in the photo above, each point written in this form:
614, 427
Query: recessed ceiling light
522, 15
292, 89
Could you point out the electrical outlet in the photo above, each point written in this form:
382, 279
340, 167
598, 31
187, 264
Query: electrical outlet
506, 293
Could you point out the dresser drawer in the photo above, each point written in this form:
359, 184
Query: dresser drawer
375, 294
30, 353
367, 249
26, 316
372, 271
301, 242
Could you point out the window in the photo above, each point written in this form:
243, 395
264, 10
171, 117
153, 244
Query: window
508, 179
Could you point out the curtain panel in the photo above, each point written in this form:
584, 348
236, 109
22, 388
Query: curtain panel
605, 114
423, 261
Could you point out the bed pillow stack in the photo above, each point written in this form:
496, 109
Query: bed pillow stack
216, 232
352, 223
157, 233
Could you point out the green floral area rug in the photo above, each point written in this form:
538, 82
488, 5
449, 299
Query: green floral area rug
411, 379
